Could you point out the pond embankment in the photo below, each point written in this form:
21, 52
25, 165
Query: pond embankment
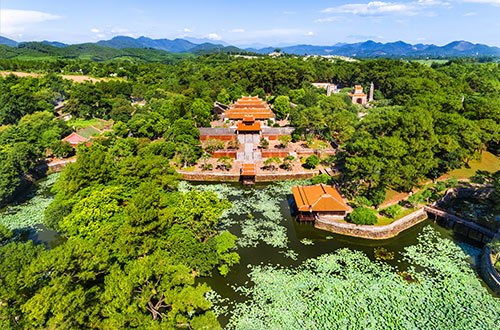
488, 272
235, 177
372, 232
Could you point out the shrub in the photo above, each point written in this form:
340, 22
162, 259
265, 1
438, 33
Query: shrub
285, 140
392, 211
264, 143
377, 196
312, 161
363, 216
322, 178
451, 182
361, 201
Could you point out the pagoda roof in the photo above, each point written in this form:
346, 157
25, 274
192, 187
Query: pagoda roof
249, 128
318, 198
75, 139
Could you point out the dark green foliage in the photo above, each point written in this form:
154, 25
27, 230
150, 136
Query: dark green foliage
363, 216
312, 161
322, 178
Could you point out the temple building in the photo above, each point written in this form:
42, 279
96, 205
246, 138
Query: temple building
319, 201
357, 96
249, 106
75, 139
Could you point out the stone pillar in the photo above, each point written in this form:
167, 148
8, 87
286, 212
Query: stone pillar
371, 92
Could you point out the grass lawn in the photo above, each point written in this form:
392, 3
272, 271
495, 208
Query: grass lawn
488, 162
80, 123
386, 221
88, 132
318, 144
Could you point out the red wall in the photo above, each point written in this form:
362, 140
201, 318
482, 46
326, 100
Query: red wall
224, 153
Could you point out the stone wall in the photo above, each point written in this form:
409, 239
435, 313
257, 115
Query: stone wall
271, 177
232, 177
488, 272
207, 176
372, 232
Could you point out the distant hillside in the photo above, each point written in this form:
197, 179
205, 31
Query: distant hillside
172, 46
89, 51
55, 43
399, 48
8, 42
202, 46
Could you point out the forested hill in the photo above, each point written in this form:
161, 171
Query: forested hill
44, 51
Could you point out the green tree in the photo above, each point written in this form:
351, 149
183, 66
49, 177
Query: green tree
281, 106
312, 161
362, 216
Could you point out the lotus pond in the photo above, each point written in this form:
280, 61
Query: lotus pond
293, 276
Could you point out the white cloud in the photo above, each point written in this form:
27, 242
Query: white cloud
14, 20
100, 35
470, 14
489, 2
188, 30
381, 8
327, 19
95, 30
214, 36
237, 30
310, 33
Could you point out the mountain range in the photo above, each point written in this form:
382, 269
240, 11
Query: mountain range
362, 49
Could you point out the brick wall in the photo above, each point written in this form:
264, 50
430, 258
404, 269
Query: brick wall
274, 153
224, 153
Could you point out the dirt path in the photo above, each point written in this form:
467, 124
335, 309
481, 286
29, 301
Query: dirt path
75, 78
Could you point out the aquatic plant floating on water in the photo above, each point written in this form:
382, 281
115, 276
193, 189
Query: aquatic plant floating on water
383, 254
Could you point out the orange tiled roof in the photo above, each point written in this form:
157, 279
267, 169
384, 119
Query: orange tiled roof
249, 118
249, 128
318, 198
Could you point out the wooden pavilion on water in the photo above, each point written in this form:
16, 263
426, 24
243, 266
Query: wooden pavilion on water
319, 201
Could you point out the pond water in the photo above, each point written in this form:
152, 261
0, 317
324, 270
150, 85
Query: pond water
481, 211
303, 241
262, 219
25, 216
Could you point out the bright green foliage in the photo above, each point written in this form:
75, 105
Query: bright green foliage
363, 216
270, 163
134, 247
312, 161
285, 140
155, 293
346, 289
281, 106
392, 211
14, 257
202, 112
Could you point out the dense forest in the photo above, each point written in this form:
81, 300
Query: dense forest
134, 244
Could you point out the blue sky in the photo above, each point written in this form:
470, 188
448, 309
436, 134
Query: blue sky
271, 22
